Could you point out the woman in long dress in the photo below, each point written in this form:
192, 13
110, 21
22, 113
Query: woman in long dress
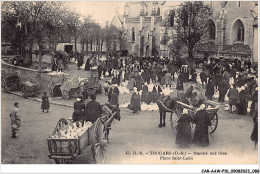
180, 82
242, 104
135, 101
202, 121
145, 92
183, 137
45, 102
131, 82
254, 135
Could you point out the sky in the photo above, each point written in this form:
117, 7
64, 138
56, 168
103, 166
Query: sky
99, 10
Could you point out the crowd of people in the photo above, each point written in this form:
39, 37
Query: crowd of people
235, 82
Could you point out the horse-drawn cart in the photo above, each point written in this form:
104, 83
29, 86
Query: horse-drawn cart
211, 108
70, 138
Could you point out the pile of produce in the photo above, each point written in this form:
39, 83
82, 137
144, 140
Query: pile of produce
73, 131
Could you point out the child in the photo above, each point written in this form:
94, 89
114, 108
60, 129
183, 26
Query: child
45, 102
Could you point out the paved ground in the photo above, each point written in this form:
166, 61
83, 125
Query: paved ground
135, 132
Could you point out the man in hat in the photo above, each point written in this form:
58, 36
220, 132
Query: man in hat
93, 109
15, 120
79, 107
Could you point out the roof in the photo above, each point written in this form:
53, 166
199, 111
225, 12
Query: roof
236, 49
227, 49
120, 17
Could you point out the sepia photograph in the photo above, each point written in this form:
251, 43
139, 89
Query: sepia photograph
129, 82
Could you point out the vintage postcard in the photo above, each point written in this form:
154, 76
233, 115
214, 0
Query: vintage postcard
129, 82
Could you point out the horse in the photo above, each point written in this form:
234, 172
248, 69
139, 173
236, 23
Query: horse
166, 105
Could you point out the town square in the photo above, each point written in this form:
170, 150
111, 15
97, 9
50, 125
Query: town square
138, 82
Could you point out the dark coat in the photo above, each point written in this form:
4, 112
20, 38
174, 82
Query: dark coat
114, 97
254, 135
180, 82
201, 135
144, 95
203, 77
210, 88
223, 87
78, 113
233, 96
138, 82
87, 65
135, 103
45, 102
79, 105
183, 137
242, 104
93, 111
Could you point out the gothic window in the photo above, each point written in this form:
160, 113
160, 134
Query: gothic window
238, 31
171, 19
133, 34
148, 37
211, 29
238, 4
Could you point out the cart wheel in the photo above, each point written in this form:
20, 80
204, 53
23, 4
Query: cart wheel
214, 123
62, 161
61, 124
174, 122
100, 147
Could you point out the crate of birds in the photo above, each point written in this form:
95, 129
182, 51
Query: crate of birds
70, 140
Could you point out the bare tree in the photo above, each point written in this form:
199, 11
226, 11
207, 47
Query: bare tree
192, 18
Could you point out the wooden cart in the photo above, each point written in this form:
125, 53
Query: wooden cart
212, 112
63, 151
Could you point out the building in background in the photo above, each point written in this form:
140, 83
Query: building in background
149, 27
232, 32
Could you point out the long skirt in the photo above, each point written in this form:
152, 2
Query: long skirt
183, 137
201, 136
254, 135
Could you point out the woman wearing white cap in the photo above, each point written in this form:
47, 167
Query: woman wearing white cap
183, 137
242, 104
202, 121
135, 101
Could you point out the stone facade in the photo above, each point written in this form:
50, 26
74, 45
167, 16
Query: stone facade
150, 29
233, 22
144, 23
